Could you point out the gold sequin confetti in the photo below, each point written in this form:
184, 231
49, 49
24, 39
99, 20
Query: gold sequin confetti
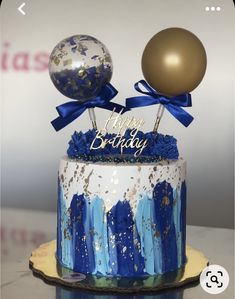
67, 62
165, 201
56, 60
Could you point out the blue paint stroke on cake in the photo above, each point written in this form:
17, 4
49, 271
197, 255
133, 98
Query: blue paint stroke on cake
176, 212
163, 211
118, 243
121, 223
82, 239
99, 231
149, 239
64, 237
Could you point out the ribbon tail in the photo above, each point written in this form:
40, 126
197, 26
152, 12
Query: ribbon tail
68, 108
180, 114
118, 108
61, 121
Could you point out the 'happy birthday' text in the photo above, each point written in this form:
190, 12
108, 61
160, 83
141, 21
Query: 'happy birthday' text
121, 124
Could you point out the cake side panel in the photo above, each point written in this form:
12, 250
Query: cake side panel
137, 230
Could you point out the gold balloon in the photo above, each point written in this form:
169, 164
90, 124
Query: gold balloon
174, 61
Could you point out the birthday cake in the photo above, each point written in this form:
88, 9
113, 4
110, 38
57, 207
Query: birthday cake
122, 194
121, 214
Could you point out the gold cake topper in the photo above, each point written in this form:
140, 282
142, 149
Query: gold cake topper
121, 124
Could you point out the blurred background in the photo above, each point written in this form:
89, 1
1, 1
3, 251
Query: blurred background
31, 149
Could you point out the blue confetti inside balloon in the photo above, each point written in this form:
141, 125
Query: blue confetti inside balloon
80, 66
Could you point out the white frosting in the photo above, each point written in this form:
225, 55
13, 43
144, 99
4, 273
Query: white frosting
114, 182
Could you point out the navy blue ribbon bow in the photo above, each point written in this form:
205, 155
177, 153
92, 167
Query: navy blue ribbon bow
152, 97
71, 110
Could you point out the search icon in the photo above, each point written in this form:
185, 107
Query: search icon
214, 278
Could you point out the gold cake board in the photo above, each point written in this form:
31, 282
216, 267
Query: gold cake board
44, 264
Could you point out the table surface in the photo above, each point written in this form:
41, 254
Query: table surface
22, 231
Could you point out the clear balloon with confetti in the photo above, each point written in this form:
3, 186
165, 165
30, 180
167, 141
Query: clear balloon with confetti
80, 66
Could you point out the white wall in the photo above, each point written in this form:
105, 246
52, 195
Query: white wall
31, 148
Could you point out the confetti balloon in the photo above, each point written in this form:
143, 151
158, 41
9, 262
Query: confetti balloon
80, 66
174, 61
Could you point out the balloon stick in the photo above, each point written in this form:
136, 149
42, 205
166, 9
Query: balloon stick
160, 112
92, 117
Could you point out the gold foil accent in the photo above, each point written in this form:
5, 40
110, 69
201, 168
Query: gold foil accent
67, 62
87, 182
157, 234
131, 193
56, 60
165, 201
62, 178
82, 170
82, 73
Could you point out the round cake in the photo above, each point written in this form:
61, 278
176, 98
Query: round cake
121, 219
